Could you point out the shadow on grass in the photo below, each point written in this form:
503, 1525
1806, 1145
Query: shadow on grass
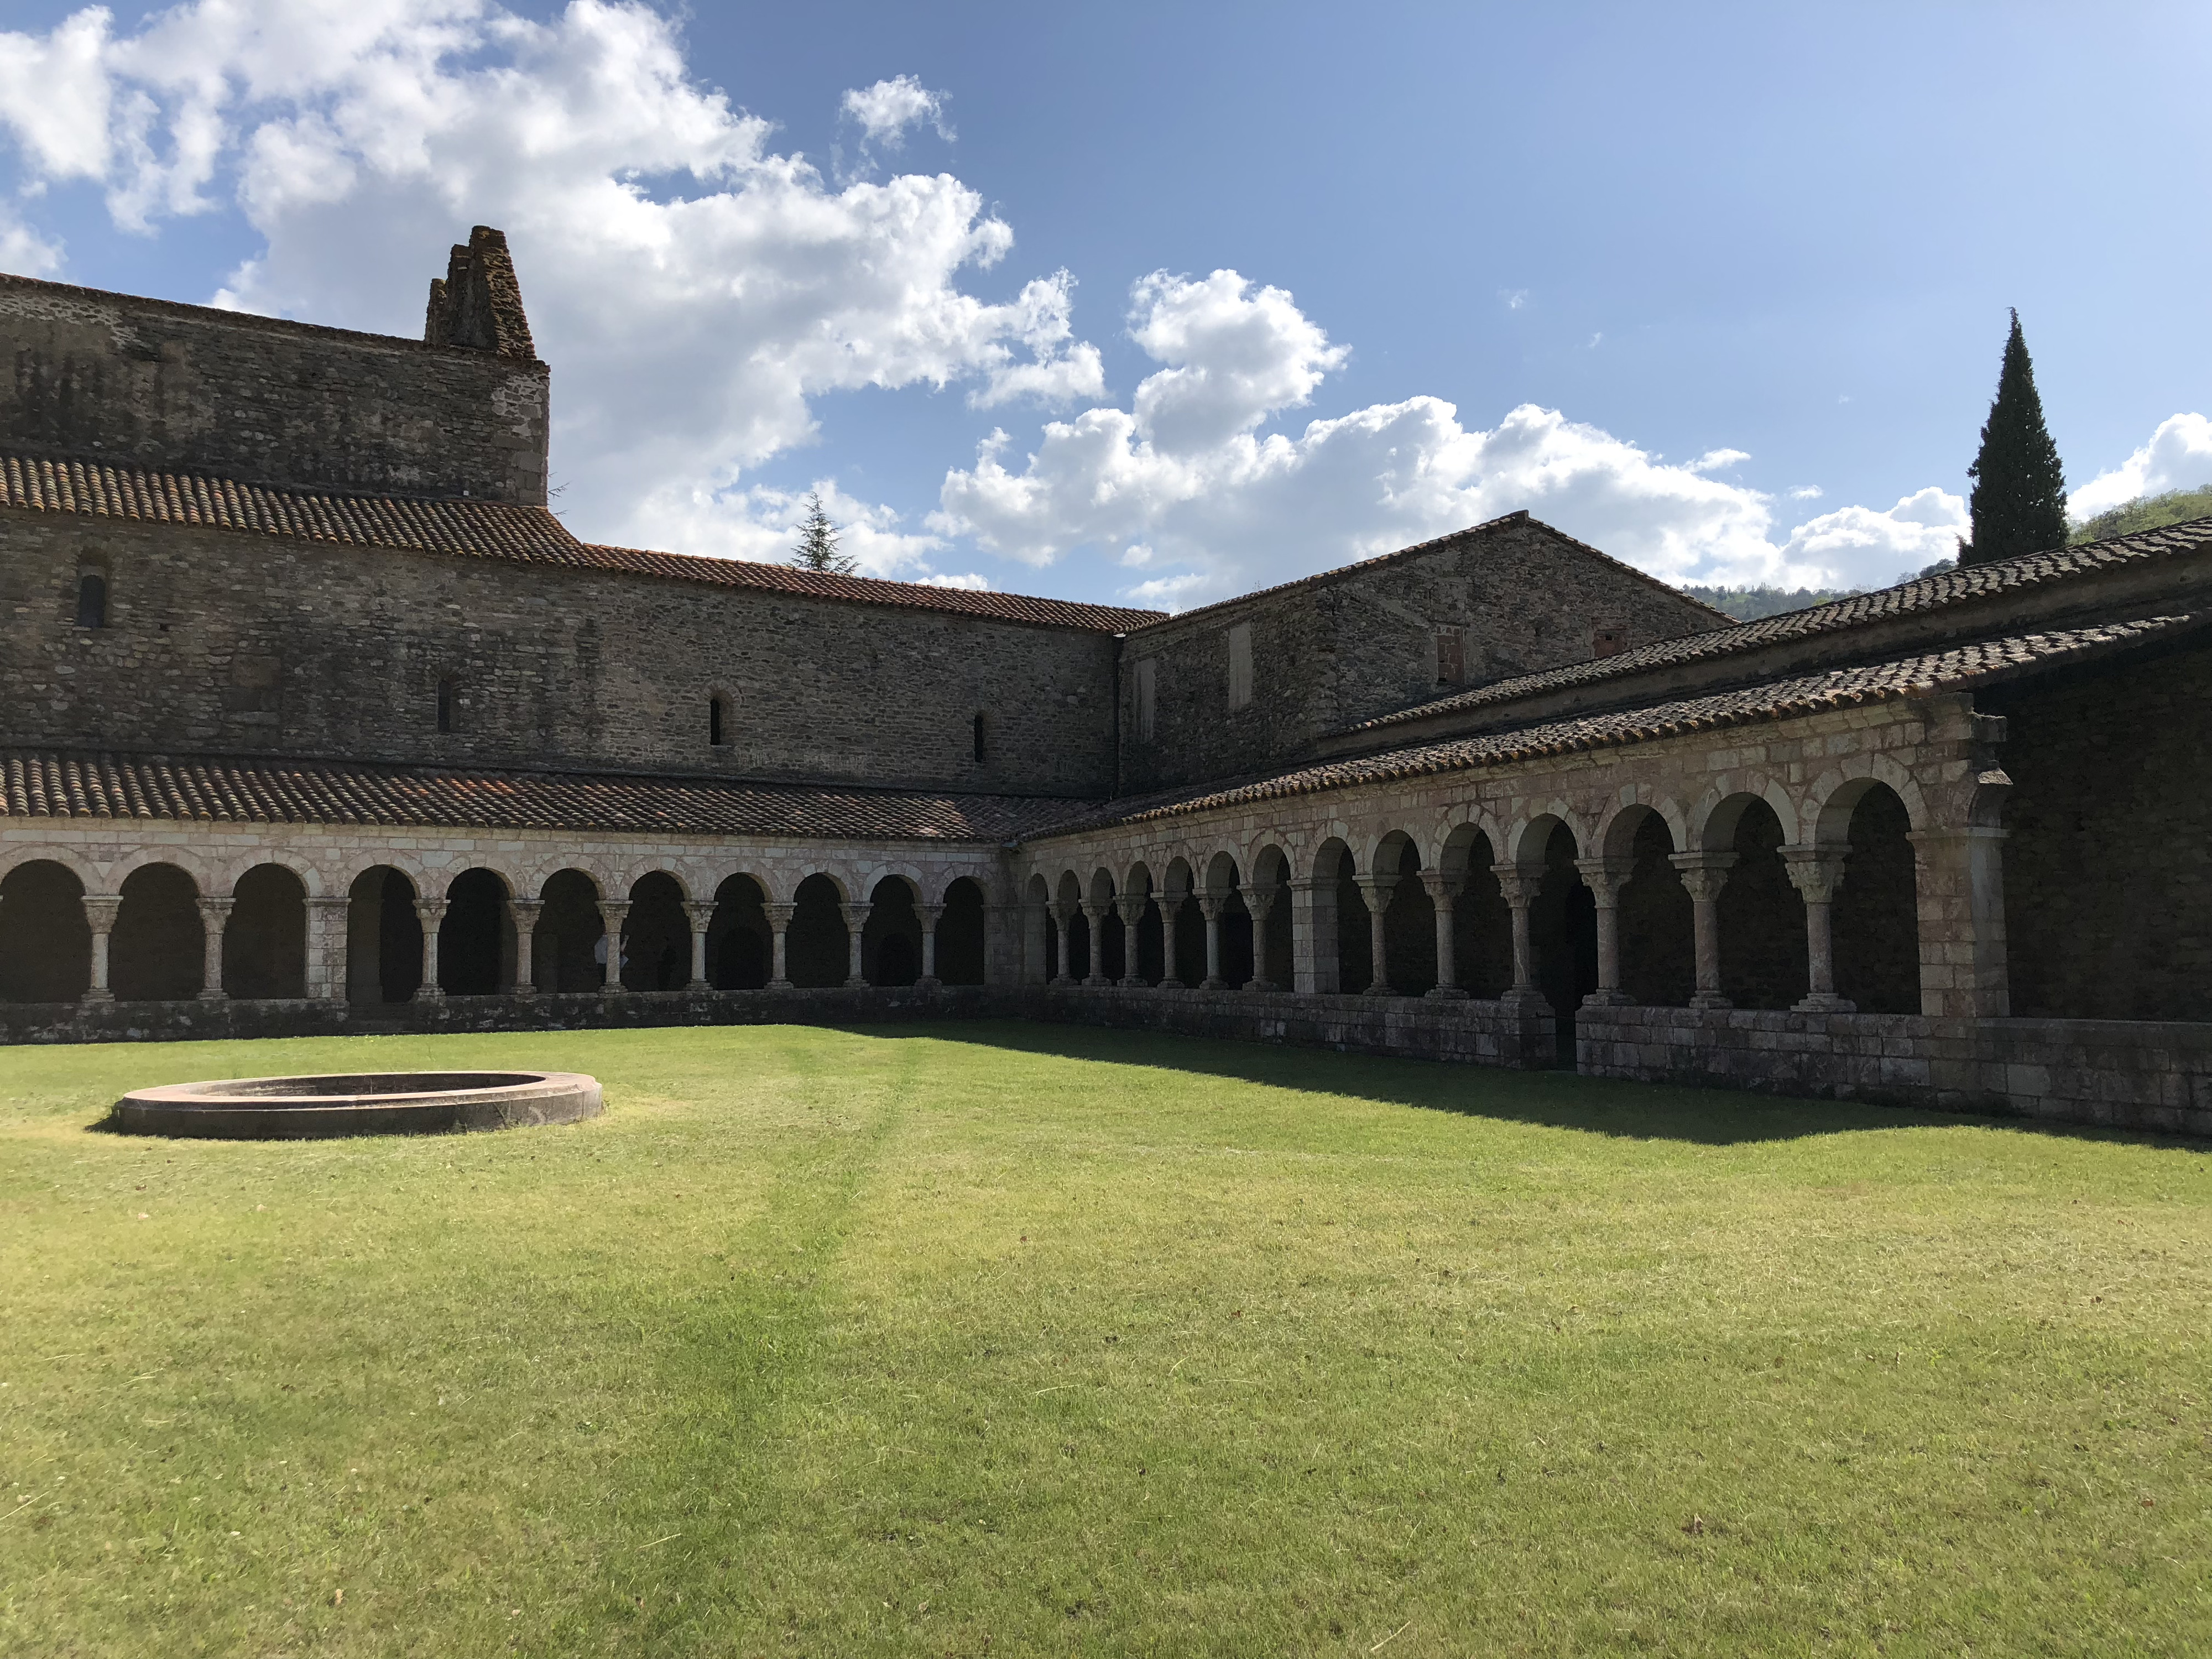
1550, 1099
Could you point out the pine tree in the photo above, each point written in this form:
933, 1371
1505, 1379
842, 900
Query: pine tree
817, 541
2019, 502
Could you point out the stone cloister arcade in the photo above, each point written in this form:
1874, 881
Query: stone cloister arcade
91, 923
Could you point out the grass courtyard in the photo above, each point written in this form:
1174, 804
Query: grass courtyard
1012, 1340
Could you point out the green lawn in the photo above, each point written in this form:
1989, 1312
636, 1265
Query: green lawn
1012, 1340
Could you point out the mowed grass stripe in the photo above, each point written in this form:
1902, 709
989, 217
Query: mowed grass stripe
976, 1338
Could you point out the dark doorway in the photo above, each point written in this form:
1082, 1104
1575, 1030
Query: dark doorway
1762, 920
816, 949
740, 946
960, 934
158, 952
564, 953
1875, 921
890, 943
474, 950
657, 936
264, 948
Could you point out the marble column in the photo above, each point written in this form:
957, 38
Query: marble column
613, 912
1705, 874
1095, 913
524, 914
779, 923
1170, 911
1131, 908
1260, 902
1519, 888
1816, 872
1444, 892
100, 910
429, 912
1605, 878
214, 917
701, 914
929, 914
1209, 906
856, 922
1375, 890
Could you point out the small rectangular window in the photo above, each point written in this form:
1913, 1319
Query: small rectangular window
445, 705
1240, 666
1451, 657
1148, 697
979, 739
715, 722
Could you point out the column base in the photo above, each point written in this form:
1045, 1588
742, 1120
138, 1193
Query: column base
854, 982
99, 997
1172, 985
1262, 985
1825, 1002
1132, 983
212, 996
1444, 993
1063, 982
1212, 984
1608, 1000
698, 985
524, 988
1379, 988
1097, 979
428, 993
928, 982
1710, 1000
778, 985
1524, 1002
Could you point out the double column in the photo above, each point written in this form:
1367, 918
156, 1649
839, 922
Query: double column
1816, 872
1605, 878
1443, 890
1131, 906
1703, 875
1519, 888
778, 929
856, 922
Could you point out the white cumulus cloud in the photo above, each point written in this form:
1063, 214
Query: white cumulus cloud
888, 108
696, 290
2177, 457
1207, 503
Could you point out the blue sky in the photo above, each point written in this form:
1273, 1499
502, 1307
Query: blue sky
1657, 274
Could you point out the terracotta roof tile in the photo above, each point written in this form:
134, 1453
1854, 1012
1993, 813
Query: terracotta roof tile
1957, 668
1907, 599
60, 783
491, 529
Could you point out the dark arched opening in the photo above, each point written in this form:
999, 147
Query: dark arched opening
265, 947
891, 940
1151, 943
46, 944
817, 949
1762, 920
1355, 950
475, 937
1658, 933
740, 946
384, 939
564, 948
656, 936
1563, 935
1235, 937
1190, 938
92, 600
1482, 926
1875, 921
158, 952
1078, 946
960, 934
1409, 929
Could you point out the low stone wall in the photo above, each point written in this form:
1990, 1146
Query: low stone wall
2119, 1074
1477, 1033
171, 1022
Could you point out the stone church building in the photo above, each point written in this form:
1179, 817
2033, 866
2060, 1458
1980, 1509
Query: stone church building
318, 719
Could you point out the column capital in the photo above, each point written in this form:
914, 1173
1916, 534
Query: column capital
213, 909
856, 913
330, 904
526, 910
1210, 901
430, 911
1374, 881
615, 912
1131, 907
1518, 885
1259, 901
929, 914
1703, 873
1311, 883
1442, 886
778, 915
100, 909
1815, 872
1605, 876
702, 913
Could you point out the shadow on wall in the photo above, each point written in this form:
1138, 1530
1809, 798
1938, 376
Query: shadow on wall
1550, 1099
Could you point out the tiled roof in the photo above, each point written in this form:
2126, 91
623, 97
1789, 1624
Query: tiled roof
1907, 599
493, 529
1958, 668
1488, 526
867, 590
61, 783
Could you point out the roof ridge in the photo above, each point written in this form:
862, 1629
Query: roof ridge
1918, 595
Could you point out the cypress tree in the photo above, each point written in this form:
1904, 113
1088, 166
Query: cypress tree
817, 541
2019, 502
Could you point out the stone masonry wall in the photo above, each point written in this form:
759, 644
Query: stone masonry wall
1380, 636
149, 383
225, 642
2108, 863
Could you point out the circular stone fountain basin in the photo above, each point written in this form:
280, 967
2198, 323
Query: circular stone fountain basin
357, 1104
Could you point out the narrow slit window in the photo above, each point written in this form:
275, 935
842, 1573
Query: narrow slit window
715, 734
445, 705
1148, 697
1240, 666
91, 600
978, 740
